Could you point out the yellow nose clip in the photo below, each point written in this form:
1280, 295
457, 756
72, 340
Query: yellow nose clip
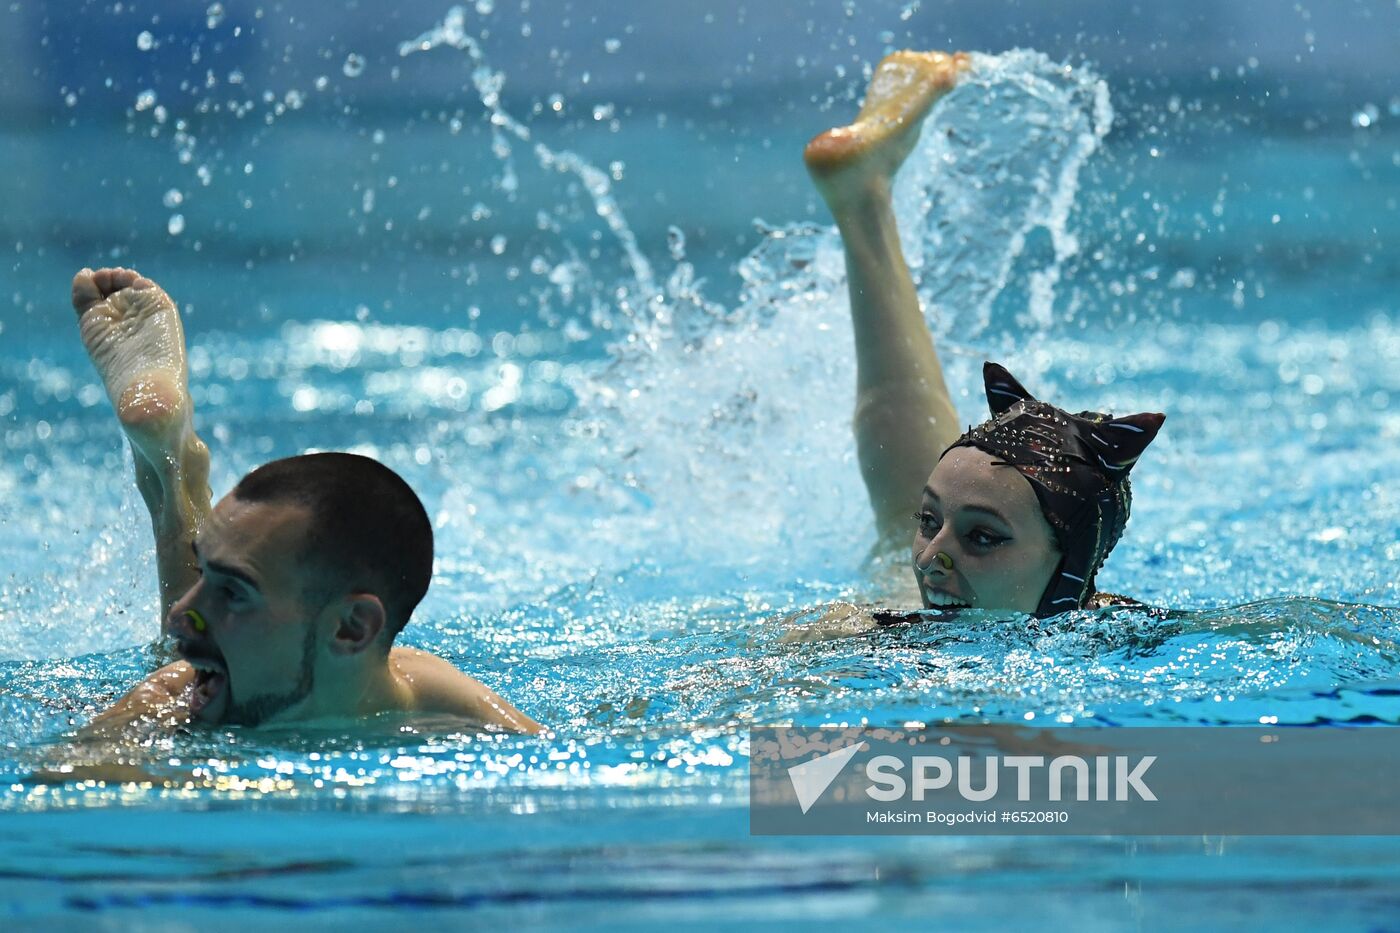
196, 620
944, 559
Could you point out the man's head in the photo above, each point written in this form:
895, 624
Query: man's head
309, 569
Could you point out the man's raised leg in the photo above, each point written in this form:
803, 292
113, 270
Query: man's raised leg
904, 417
132, 332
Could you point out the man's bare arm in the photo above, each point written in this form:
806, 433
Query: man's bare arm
156, 701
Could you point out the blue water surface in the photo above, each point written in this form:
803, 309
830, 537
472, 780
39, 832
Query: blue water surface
590, 310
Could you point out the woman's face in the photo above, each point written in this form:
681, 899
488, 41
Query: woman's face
987, 520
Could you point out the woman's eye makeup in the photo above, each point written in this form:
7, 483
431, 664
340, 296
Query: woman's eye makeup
983, 538
927, 521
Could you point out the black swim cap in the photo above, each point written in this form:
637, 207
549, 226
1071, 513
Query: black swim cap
1077, 464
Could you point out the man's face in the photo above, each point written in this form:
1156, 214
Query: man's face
256, 654
987, 521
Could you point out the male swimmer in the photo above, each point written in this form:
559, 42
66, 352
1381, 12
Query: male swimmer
1017, 514
285, 598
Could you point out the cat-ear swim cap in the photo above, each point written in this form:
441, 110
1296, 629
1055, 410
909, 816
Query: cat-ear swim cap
1077, 464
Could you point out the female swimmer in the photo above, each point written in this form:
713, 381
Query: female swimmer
1016, 514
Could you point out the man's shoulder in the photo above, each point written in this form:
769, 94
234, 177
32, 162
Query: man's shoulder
437, 686
428, 674
402, 655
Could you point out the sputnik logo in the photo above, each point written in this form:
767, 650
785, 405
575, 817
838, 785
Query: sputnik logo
811, 778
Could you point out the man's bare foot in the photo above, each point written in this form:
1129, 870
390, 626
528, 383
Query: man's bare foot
132, 332
845, 161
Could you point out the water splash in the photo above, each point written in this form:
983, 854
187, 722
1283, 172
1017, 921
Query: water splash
760, 394
706, 412
618, 543
999, 158
746, 407
452, 32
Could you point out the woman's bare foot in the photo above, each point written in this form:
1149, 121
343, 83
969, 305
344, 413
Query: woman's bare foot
132, 332
845, 162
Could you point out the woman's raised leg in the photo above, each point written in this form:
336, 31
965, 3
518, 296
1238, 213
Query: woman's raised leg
904, 417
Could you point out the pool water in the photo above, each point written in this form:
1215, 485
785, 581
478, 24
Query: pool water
626, 405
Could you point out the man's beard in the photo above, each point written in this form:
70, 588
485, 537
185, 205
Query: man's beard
259, 709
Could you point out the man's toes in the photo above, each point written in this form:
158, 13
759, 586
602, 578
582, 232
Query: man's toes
85, 291
111, 281
102, 278
91, 287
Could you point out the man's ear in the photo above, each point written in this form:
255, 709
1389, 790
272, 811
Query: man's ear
358, 621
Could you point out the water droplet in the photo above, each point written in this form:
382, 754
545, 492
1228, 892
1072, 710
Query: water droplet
603, 112
556, 102
612, 45
145, 100
214, 15
354, 65
485, 7
909, 10
70, 99
1366, 116
498, 244
176, 224
173, 198
367, 201
145, 41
